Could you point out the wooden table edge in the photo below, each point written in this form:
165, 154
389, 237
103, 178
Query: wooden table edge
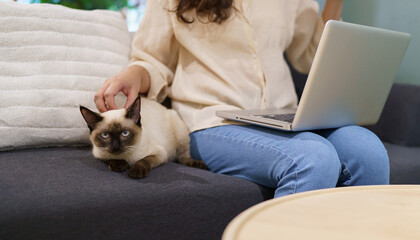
237, 223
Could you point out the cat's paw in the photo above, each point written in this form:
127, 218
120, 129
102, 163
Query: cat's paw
117, 165
139, 170
196, 164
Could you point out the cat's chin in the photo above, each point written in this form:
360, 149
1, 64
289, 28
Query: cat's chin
105, 155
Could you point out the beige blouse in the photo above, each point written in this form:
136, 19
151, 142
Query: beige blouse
205, 67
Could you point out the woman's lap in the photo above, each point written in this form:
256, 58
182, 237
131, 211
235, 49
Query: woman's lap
288, 161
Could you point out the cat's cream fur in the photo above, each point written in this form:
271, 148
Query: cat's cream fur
162, 137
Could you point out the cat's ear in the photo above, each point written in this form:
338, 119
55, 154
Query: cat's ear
90, 117
133, 112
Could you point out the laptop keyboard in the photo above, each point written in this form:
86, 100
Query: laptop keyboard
280, 117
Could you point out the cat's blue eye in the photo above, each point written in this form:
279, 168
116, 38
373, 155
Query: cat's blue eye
125, 133
105, 135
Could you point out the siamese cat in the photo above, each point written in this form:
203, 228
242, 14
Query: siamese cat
127, 138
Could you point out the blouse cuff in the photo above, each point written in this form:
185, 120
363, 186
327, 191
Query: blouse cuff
319, 28
158, 86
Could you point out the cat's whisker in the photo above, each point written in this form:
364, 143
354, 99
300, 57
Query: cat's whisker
105, 153
130, 148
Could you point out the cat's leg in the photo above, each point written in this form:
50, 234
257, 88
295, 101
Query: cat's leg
142, 168
183, 146
184, 157
117, 165
156, 157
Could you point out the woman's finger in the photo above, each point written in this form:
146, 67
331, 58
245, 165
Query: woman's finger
110, 94
131, 97
100, 99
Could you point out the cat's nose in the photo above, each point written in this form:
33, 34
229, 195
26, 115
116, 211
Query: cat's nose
115, 146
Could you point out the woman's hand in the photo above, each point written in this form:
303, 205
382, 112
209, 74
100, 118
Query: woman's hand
131, 81
332, 10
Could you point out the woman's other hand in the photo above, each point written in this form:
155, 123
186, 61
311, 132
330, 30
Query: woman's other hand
131, 81
332, 10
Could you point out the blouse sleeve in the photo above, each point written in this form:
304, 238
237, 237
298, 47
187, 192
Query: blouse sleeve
307, 33
155, 48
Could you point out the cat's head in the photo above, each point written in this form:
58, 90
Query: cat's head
112, 133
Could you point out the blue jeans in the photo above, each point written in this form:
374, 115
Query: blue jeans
294, 162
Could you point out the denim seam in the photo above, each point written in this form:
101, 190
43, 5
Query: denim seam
347, 174
273, 148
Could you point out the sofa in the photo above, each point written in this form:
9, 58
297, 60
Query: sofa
51, 187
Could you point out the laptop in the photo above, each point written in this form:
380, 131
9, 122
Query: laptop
349, 81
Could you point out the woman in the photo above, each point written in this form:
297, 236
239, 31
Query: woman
210, 55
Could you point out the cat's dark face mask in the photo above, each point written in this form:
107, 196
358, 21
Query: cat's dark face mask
115, 138
114, 132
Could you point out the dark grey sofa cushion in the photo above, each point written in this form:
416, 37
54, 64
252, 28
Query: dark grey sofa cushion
64, 193
400, 120
404, 163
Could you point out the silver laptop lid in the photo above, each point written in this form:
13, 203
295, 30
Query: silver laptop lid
351, 76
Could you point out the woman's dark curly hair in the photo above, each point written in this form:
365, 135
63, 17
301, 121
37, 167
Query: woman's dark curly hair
215, 10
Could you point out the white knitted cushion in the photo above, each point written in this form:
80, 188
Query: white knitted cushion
53, 59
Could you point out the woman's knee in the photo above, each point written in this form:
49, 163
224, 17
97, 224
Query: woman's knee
373, 159
363, 156
317, 164
322, 163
